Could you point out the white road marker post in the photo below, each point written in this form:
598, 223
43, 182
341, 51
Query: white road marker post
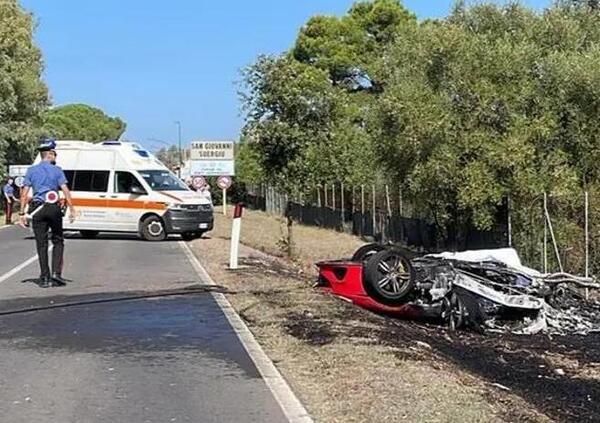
236, 228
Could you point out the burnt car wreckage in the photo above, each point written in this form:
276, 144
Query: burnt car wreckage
483, 290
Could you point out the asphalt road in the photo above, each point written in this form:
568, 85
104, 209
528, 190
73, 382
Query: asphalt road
135, 337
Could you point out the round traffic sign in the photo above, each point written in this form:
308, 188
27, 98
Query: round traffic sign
19, 181
224, 182
198, 182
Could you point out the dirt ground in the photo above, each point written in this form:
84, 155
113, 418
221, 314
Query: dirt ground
350, 365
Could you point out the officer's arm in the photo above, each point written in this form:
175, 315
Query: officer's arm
65, 189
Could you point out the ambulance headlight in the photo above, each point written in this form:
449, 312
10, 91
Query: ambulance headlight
176, 206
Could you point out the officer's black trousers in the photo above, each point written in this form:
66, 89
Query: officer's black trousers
49, 218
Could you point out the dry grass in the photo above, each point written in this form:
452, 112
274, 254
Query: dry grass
265, 233
346, 364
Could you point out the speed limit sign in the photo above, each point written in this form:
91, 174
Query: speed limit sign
224, 182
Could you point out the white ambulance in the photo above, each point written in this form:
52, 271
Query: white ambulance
120, 187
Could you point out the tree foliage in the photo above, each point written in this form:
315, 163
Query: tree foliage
23, 95
490, 102
82, 122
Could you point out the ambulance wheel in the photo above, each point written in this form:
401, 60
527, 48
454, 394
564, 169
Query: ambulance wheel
153, 229
89, 234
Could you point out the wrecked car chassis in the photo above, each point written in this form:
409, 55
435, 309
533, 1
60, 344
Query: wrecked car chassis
483, 290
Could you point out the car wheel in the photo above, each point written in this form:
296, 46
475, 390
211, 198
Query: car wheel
454, 312
89, 234
366, 252
389, 277
153, 229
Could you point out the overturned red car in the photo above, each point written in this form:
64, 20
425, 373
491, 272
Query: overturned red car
483, 289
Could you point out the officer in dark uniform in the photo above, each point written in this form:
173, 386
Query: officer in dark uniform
45, 180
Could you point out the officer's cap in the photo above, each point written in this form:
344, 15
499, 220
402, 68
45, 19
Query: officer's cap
47, 145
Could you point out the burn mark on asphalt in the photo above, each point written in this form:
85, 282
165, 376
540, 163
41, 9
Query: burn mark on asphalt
183, 323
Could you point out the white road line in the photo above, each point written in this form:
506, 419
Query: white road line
17, 269
289, 403
5, 226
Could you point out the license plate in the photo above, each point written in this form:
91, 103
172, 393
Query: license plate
203, 225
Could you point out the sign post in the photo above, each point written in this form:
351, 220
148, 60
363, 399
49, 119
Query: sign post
236, 228
224, 182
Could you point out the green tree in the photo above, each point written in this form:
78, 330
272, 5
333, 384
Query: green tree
82, 122
23, 95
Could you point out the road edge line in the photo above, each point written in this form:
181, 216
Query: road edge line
291, 406
17, 269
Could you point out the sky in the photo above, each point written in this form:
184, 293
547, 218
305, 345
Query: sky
153, 62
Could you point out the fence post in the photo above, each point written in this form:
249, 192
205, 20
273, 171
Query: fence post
400, 205
343, 205
333, 196
374, 211
362, 199
387, 199
319, 196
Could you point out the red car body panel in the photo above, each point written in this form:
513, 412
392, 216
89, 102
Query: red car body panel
344, 279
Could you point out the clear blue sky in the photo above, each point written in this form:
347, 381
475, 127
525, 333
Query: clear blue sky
154, 62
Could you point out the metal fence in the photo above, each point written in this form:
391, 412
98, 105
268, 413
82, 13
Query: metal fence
370, 217
551, 233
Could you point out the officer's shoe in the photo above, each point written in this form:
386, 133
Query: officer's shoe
45, 282
57, 280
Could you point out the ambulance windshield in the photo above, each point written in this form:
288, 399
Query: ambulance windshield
161, 180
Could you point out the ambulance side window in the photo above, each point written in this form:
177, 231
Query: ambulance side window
124, 181
70, 174
91, 180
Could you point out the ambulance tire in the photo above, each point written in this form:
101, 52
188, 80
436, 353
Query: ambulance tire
153, 229
89, 234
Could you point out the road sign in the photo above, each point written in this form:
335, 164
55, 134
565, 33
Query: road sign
19, 181
212, 158
198, 182
224, 182
17, 170
213, 167
212, 150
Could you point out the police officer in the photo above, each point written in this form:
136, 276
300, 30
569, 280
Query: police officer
9, 197
45, 180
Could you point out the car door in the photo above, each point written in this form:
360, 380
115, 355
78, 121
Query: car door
126, 201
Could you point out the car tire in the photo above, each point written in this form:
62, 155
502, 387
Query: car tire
366, 252
89, 234
389, 277
153, 229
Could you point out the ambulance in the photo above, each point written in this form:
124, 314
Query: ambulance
121, 187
